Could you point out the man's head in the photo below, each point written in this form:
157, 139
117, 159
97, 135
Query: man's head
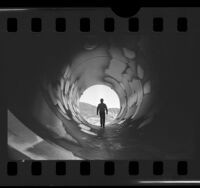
101, 100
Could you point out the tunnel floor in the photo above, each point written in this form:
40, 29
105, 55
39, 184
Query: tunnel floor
110, 146
128, 145
113, 143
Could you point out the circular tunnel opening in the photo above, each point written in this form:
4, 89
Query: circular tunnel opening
90, 99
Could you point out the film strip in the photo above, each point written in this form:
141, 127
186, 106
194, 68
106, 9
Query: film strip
50, 136
109, 168
109, 24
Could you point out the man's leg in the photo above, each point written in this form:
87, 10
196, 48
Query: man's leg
103, 119
101, 122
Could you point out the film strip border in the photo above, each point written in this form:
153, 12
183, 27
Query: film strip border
97, 172
109, 168
109, 24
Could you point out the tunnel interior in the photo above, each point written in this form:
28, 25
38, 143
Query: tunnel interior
48, 89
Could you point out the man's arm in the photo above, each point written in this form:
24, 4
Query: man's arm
106, 109
97, 109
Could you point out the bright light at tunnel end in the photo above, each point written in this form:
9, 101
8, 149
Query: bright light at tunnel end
93, 94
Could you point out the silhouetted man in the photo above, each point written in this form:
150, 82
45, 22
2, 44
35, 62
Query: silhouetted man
101, 110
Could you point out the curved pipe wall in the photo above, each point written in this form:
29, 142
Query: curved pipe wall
54, 114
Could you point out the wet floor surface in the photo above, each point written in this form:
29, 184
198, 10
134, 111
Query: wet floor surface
117, 144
